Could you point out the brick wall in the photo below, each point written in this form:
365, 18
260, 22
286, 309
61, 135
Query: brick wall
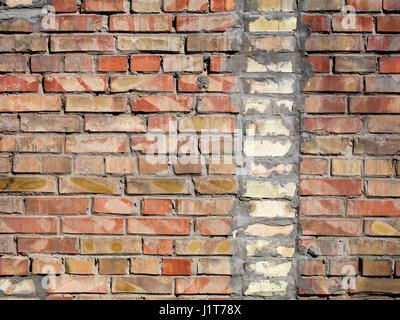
349, 165
198, 149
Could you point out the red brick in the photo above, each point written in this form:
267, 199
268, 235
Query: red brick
47, 245
324, 247
317, 23
203, 285
361, 24
312, 267
114, 205
177, 266
335, 83
381, 104
157, 246
28, 225
331, 227
214, 227
45, 63
182, 5
314, 166
93, 225
21, 83
365, 5
389, 65
391, 5
161, 226
73, 23
162, 123
11, 204
157, 206
330, 187
221, 5
13, 63
217, 83
15, 266
333, 125
162, 104
322, 207
112, 63
65, 5
103, 5
50, 206
320, 63
388, 23
320, 286
373, 208
210, 104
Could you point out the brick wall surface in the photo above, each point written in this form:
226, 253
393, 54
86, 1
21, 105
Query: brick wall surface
186, 149
350, 146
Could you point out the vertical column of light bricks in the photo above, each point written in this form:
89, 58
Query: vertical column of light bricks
266, 222
88, 96
349, 163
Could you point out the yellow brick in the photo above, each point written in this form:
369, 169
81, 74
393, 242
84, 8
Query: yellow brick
262, 24
378, 167
346, 167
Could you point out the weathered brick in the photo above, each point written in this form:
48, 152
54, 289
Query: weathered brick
65, 5
203, 247
161, 226
330, 187
142, 284
13, 63
145, 266
28, 225
167, 43
103, 5
16, 266
50, 206
331, 227
72, 83
79, 284
322, 207
141, 23
96, 103
125, 245
203, 285
114, 205
47, 245
82, 43
42, 265
113, 123
89, 185
160, 83
50, 123
79, 265
79, 63
113, 266
95, 143
23, 43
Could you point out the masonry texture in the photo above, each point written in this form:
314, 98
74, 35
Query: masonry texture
199, 149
